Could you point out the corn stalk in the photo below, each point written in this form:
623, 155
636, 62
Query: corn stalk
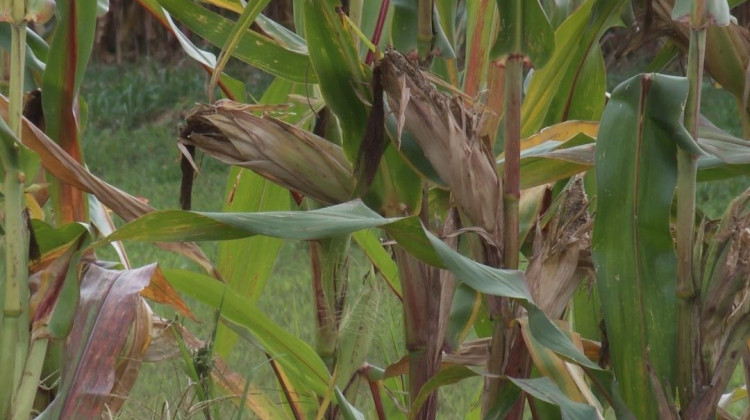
15, 339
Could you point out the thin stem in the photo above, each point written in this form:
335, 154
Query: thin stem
512, 152
17, 60
424, 28
378, 31
8, 340
30, 382
687, 289
15, 306
511, 189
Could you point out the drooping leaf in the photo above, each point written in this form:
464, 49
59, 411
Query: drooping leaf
175, 225
635, 259
546, 390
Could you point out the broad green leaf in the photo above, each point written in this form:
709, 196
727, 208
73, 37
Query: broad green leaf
549, 336
728, 148
246, 264
546, 390
524, 29
299, 360
49, 238
253, 48
447, 376
177, 225
282, 35
380, 258
711, 168
632, 246
550, 365
234, 89
403, 29
249, 13
66, 63
555, 92
348, 412
343, 79
103, 321
464, 312
505, 402
554, 160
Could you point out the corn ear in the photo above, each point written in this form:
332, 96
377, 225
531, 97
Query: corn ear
553, 274
285, 154
447, 133
726, 280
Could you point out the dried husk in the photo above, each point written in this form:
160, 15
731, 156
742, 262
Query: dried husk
726, 279
448, 135
281, 152
555, 269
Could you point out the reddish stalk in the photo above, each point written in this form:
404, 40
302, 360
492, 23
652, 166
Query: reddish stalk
378, 31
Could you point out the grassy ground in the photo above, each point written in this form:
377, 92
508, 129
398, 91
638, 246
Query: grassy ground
130, 141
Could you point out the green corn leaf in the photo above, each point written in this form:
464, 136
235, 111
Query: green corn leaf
546, 390
572, 85
447, 376
176, 225
524, 29
249, 13
253, 48
234, 88
343, 79
379, 257
246, 264
636, 173
299, 360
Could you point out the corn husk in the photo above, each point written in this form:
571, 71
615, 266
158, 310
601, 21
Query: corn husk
447, 133
554, 272
287, 155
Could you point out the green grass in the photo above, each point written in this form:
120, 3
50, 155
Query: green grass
133, 115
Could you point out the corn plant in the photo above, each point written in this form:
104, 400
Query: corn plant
521, 215
74, 329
